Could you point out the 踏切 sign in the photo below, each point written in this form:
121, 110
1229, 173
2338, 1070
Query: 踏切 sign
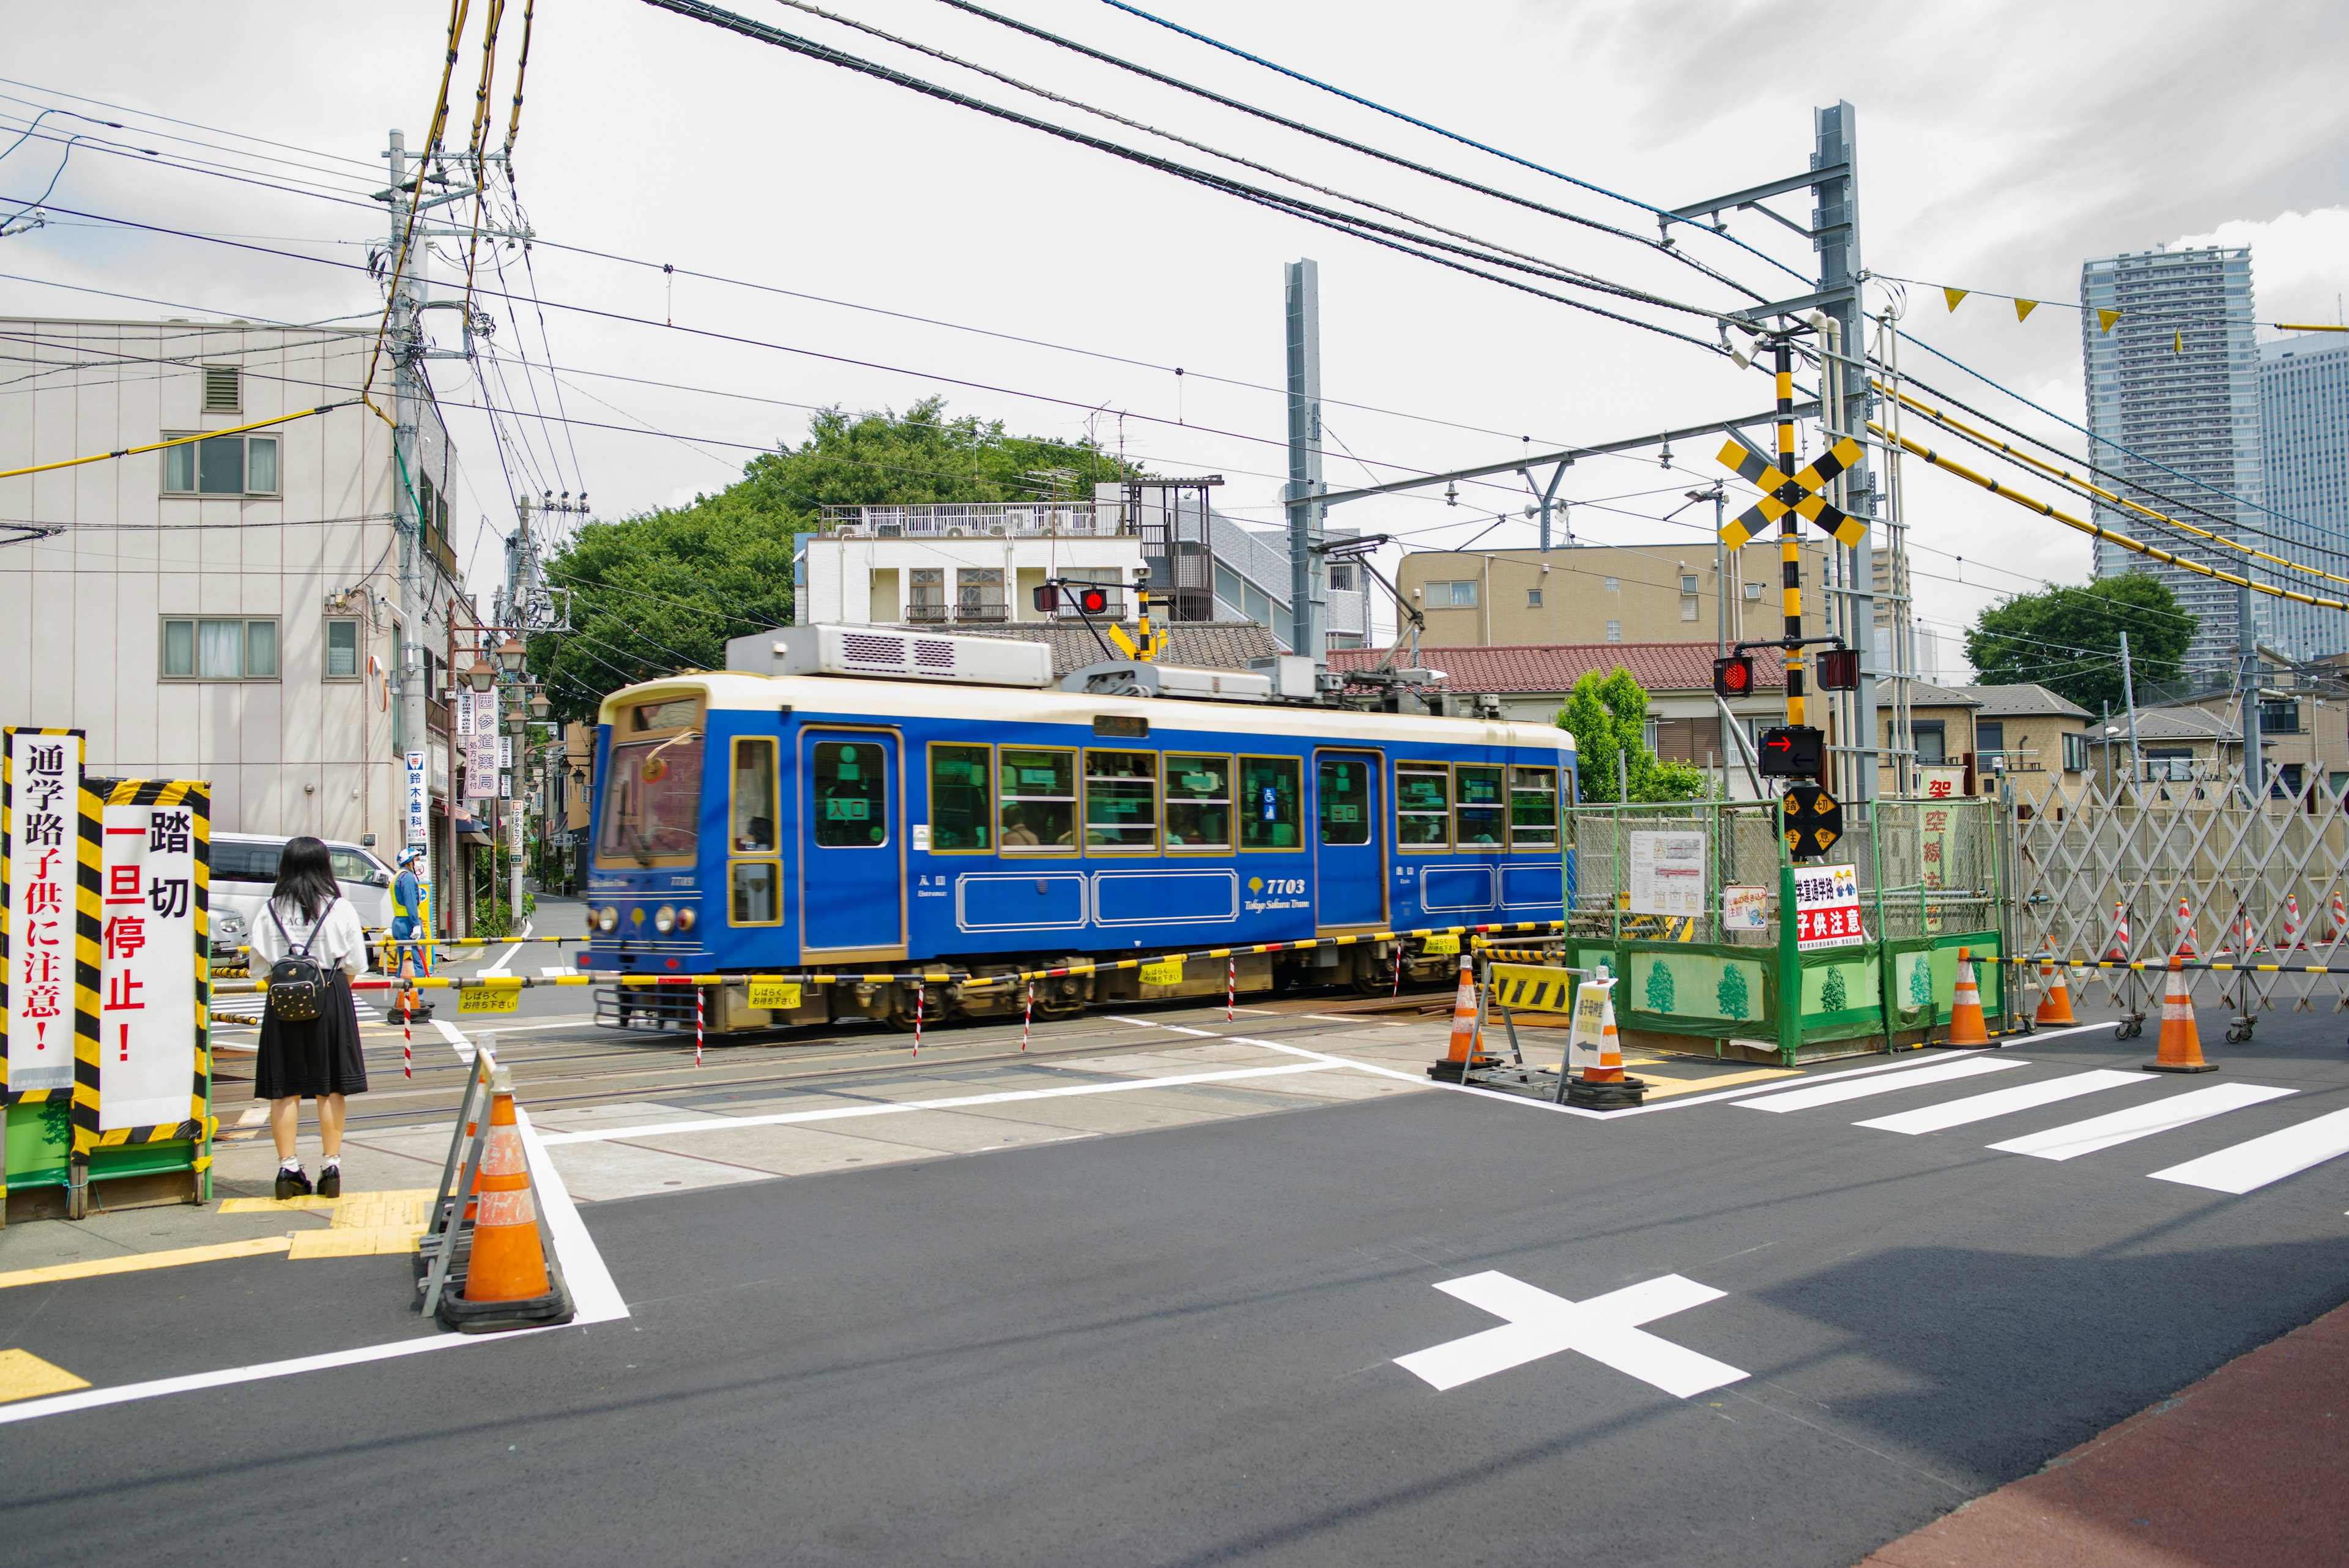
1826, 906
42, 824
150, 901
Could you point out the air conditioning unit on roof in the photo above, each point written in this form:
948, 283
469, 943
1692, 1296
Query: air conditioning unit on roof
891, 654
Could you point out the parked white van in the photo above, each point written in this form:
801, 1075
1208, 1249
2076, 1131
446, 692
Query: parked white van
245, 869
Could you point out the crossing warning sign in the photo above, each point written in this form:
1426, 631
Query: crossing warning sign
1812, 482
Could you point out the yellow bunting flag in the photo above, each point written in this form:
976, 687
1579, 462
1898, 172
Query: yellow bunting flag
2104, 319
2023, 308
2178, 344
1955, 295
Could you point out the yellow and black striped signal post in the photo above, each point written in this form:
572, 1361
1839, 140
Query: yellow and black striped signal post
1148, 642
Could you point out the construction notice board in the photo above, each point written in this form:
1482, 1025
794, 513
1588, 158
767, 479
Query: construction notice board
1826, 906
1667, 874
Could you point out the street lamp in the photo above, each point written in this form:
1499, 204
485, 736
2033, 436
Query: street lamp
480, 674
539, 705
511, 654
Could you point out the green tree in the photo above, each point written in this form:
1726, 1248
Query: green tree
1607, 715
1660, 987
662, 591
1920, 982
1834, 995
1732, 992
2068, 639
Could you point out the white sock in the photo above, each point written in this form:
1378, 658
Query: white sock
333, 1162
291, 1163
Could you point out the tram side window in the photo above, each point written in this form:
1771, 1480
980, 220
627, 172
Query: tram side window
1269, 817
1120, 800
850, 801
959, 817
756, 901
1038, 795
1422, 804
1533, 808
1199, 802
1345, 800
1482, 817
752, 829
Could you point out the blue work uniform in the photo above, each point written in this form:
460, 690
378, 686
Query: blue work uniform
408, 920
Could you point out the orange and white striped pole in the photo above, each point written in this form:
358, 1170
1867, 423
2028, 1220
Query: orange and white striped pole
2120, 947
2185, 948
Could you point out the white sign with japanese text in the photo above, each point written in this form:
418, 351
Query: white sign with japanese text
1745, 908
480, 733
1667, 874
42, 832
1826, 906
419, 805
147, 978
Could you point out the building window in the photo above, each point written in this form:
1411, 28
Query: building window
1533, 599
1614, 585
221, 465
342, 649
926, 594
1932, 742
1342, 577
224, 390
978, 593
2076, 754
1989, 737
2280, 718
1451, 596
1614, 631
220, 649
1688, 607
1688, 582
1754, 591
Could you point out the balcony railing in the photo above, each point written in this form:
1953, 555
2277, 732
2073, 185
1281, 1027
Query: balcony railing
980, 520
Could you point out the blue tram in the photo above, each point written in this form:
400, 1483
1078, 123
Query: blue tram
852, 801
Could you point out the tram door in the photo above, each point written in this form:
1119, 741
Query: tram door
1349, 861
851, 851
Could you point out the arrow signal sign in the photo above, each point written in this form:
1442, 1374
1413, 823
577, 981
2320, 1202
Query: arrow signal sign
1848, 530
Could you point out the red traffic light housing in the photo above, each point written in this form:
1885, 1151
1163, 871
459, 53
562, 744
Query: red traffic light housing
1839, 670
1084, 598
1733, 676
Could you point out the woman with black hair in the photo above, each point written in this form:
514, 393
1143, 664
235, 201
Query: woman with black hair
317, 1058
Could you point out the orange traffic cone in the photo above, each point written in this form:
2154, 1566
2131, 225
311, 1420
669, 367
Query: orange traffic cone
2181, 1046
1610, 1049
507, 1284
1604, 1086
2186, 931
2340, 920
1967, 1026
411, 1000
1466, 1050
2291, 920
2120, 947
2054, 997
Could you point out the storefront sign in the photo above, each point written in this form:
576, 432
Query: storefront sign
1667, 874
40, 817
419, 801
1826, 906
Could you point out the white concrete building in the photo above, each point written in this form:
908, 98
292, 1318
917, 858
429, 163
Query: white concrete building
229, 609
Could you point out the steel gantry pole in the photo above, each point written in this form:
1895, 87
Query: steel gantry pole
1790, 551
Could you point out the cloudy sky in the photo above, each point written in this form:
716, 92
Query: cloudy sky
1999, 144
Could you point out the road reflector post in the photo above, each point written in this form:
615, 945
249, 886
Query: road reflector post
2181, 1050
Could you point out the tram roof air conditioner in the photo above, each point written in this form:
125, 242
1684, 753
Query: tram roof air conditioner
1132, 678
891, 654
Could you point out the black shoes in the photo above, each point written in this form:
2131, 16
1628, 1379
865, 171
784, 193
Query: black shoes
295, 1183
330, 1182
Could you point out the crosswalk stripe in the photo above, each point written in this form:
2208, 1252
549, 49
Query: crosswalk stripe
1835, 1093
552, 971
2249, 1166
2004, 1101
2071, 1141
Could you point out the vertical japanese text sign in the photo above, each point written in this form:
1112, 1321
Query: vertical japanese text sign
152, 959
40, 861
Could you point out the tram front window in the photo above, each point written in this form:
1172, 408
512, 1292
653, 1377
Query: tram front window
652, 801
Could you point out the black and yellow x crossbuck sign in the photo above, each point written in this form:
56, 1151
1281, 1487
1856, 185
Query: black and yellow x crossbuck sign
1848, 530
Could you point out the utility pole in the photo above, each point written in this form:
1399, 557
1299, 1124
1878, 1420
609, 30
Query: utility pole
2247, 682
403, 339
1309, 569
1835, 230
2128, 695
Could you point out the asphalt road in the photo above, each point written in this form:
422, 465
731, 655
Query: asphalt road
1180, 1347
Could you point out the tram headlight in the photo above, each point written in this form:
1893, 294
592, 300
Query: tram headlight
664, 919
607, 918
685, 918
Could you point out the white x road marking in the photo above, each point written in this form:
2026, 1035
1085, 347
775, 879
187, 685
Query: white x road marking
1604, 1328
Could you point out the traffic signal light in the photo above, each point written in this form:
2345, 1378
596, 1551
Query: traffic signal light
1733, 676
1793, 751
1839, 670
1089, 599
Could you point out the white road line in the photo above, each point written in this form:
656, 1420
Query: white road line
957, 1102
2004, 1101
1837, 1093
573, 1022
1178, 1029
594, 1296
505, 962
457, 1041
2248, 1167
1604, 1328
553, 971
2077, 1139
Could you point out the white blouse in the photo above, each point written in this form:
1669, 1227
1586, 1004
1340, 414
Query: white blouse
341, 940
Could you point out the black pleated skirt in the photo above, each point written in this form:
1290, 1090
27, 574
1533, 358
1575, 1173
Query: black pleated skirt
320, 1057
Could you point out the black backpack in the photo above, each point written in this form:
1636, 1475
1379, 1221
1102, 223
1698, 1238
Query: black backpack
297, 983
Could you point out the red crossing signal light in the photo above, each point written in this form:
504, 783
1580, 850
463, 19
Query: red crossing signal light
1733, 676
1839, 670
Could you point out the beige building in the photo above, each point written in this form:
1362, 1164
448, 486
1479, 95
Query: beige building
1604, 593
